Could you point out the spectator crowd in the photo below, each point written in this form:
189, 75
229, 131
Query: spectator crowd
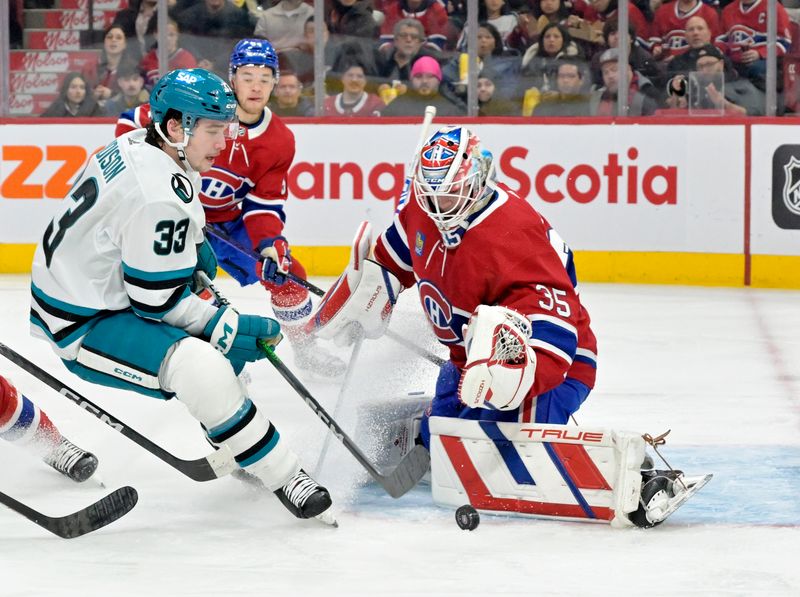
540, 58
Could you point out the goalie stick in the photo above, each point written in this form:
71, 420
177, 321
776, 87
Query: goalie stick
396, 482
430, 112
215, 465
95, 516
224, 237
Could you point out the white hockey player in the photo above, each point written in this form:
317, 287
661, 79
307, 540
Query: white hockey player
23, 423
498, 286
112, 277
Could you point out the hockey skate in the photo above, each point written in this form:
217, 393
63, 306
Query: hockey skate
304, 497
663, 492
70, 460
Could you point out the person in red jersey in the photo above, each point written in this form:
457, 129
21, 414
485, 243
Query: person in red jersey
26, 425
482, 259
244, 194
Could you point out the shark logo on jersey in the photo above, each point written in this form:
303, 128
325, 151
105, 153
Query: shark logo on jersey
182, 187
419, 244
447, 321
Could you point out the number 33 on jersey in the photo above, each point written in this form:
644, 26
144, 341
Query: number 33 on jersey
115, 213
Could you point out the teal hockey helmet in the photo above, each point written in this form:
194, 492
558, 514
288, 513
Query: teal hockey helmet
194, 92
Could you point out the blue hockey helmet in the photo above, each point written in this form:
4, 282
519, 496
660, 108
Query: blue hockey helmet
254, 52
194, 92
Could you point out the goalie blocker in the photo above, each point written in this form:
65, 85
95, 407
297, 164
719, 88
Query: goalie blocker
552, 471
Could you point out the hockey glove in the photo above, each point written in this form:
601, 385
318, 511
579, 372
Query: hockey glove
501, 365
206, 262
361, 300
277, 260
237, 336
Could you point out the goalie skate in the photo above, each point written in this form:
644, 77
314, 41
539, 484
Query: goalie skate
663, 492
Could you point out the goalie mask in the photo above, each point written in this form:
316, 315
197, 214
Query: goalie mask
454, 177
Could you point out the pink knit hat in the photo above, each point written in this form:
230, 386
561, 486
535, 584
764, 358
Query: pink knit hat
427, 64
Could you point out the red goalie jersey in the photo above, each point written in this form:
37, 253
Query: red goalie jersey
508, 256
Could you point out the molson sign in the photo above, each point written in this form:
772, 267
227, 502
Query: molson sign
604, 187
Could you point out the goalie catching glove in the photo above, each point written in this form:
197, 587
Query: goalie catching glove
361, 300
237, 336
501, 365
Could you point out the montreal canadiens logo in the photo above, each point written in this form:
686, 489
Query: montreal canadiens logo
446, 323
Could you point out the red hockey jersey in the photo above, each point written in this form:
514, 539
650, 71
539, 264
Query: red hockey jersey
130, 120
249, 178
745, 28
669, 26
432, 15
508, 256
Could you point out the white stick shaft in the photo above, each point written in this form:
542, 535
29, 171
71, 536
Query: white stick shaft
430, 113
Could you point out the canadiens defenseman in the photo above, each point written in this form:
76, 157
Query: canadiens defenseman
112, 283
499, 289
244, 193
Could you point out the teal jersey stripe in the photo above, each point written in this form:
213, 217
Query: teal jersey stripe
159, 311
157, 276
74, 309
67, 340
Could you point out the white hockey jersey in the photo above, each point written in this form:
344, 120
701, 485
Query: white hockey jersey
124, 238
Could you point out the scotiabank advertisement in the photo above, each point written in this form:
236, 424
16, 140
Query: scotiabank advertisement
605, 187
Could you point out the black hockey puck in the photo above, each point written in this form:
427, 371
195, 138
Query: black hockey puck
468, 518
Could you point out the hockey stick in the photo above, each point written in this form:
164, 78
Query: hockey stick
359, 341
95, 516
396, 482
215, 465
430, 113
222, 236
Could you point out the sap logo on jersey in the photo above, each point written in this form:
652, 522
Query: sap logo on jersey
786, 187
446, 320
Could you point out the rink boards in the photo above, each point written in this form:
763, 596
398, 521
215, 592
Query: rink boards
713, 202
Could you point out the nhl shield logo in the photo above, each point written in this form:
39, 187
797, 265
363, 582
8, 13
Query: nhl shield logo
791, 185
786, 187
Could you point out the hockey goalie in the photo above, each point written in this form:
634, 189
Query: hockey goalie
498, 286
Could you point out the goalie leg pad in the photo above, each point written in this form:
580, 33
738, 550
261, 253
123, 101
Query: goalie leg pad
205, 382
550, 471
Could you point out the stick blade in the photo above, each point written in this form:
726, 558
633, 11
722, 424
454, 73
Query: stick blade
408, 473
103, 512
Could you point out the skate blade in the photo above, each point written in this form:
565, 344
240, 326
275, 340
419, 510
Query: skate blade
693, 485
328, 518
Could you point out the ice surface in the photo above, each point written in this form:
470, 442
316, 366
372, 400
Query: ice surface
717, 366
